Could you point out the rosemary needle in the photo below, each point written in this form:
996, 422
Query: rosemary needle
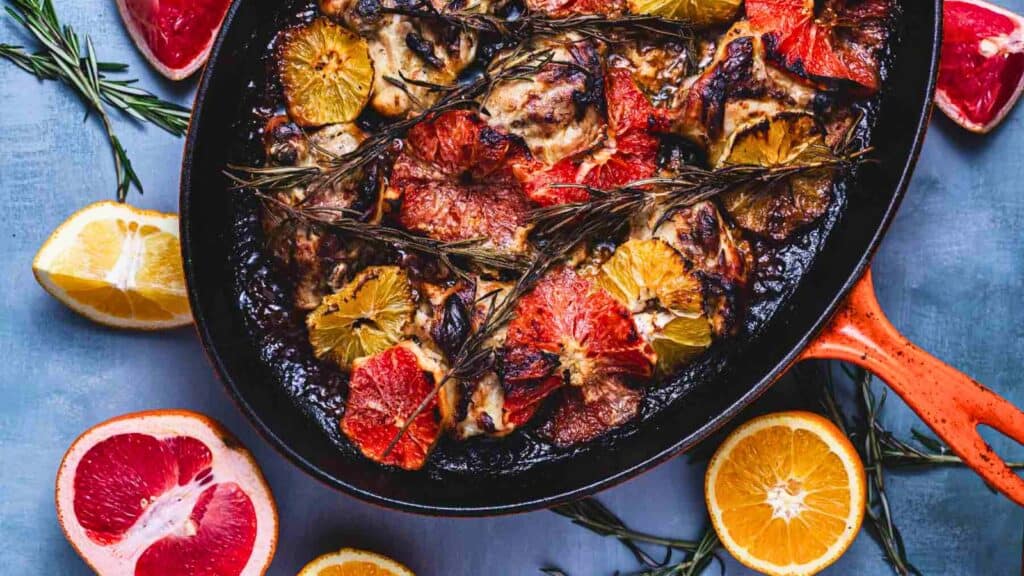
61, 58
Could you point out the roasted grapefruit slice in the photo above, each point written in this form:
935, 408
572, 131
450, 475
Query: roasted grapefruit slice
583, 414
352, 562
174, 35
981, 73
630, 152
830, 40
385, 389
326, 73
165, 493
365, 317
568, 330
456, 182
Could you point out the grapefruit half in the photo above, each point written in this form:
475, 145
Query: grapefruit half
165, 493
981, 73
174, 35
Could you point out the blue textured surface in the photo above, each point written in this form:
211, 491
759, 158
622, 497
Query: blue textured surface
950, 274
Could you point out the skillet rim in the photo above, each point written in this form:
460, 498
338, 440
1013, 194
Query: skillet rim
681, 445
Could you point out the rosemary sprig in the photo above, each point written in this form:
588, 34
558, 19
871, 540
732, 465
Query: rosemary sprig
608, 209
62, 59
589, 513
476, 354
449, 253
881, 525
140, 104
534, 24
339, 167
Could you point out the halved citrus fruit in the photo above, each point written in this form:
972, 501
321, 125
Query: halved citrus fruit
654, 282
384, 391
786, 493
352, 562
165, 493
455, 180
326, 73
699, 12
630, 152
779, 208
365, 317
570, 326
117, 265
830, 40
981, 73
175, 36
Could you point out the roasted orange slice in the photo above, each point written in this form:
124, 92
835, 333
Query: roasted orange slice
834, 42
700, 12
779, 208
326, 73
630, 152
384, 391
365, 317
455, 180
654, 282
786, 493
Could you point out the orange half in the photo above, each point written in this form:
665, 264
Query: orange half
353, 562
786, 493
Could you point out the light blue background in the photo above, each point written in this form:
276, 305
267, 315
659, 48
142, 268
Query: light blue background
950, 274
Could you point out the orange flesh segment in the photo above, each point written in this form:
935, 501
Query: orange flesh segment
355, 568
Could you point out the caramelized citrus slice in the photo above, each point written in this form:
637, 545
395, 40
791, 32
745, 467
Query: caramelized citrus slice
650, 277
834, 39
585, 413
700, 12
352, 562
630, 152
778, 208
118, 266
384, 391
455, 180
366, 316
571, 327
786, 493
326, 73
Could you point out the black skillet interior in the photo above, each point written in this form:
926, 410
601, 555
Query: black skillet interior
210, 223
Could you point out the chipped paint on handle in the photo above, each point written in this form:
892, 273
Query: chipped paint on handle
950, 402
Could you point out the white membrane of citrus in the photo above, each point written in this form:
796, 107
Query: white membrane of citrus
169, 514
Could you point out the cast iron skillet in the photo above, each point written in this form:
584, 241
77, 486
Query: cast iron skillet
859, 332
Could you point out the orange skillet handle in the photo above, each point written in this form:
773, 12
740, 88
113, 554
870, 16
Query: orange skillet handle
950, 402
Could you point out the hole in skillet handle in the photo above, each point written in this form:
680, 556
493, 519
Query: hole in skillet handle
952, 404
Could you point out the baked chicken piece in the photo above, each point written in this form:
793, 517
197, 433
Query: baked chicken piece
314, 261
557, 111
406, 51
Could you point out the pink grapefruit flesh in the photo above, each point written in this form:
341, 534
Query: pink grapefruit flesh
165, 493
174, 35
981, 73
